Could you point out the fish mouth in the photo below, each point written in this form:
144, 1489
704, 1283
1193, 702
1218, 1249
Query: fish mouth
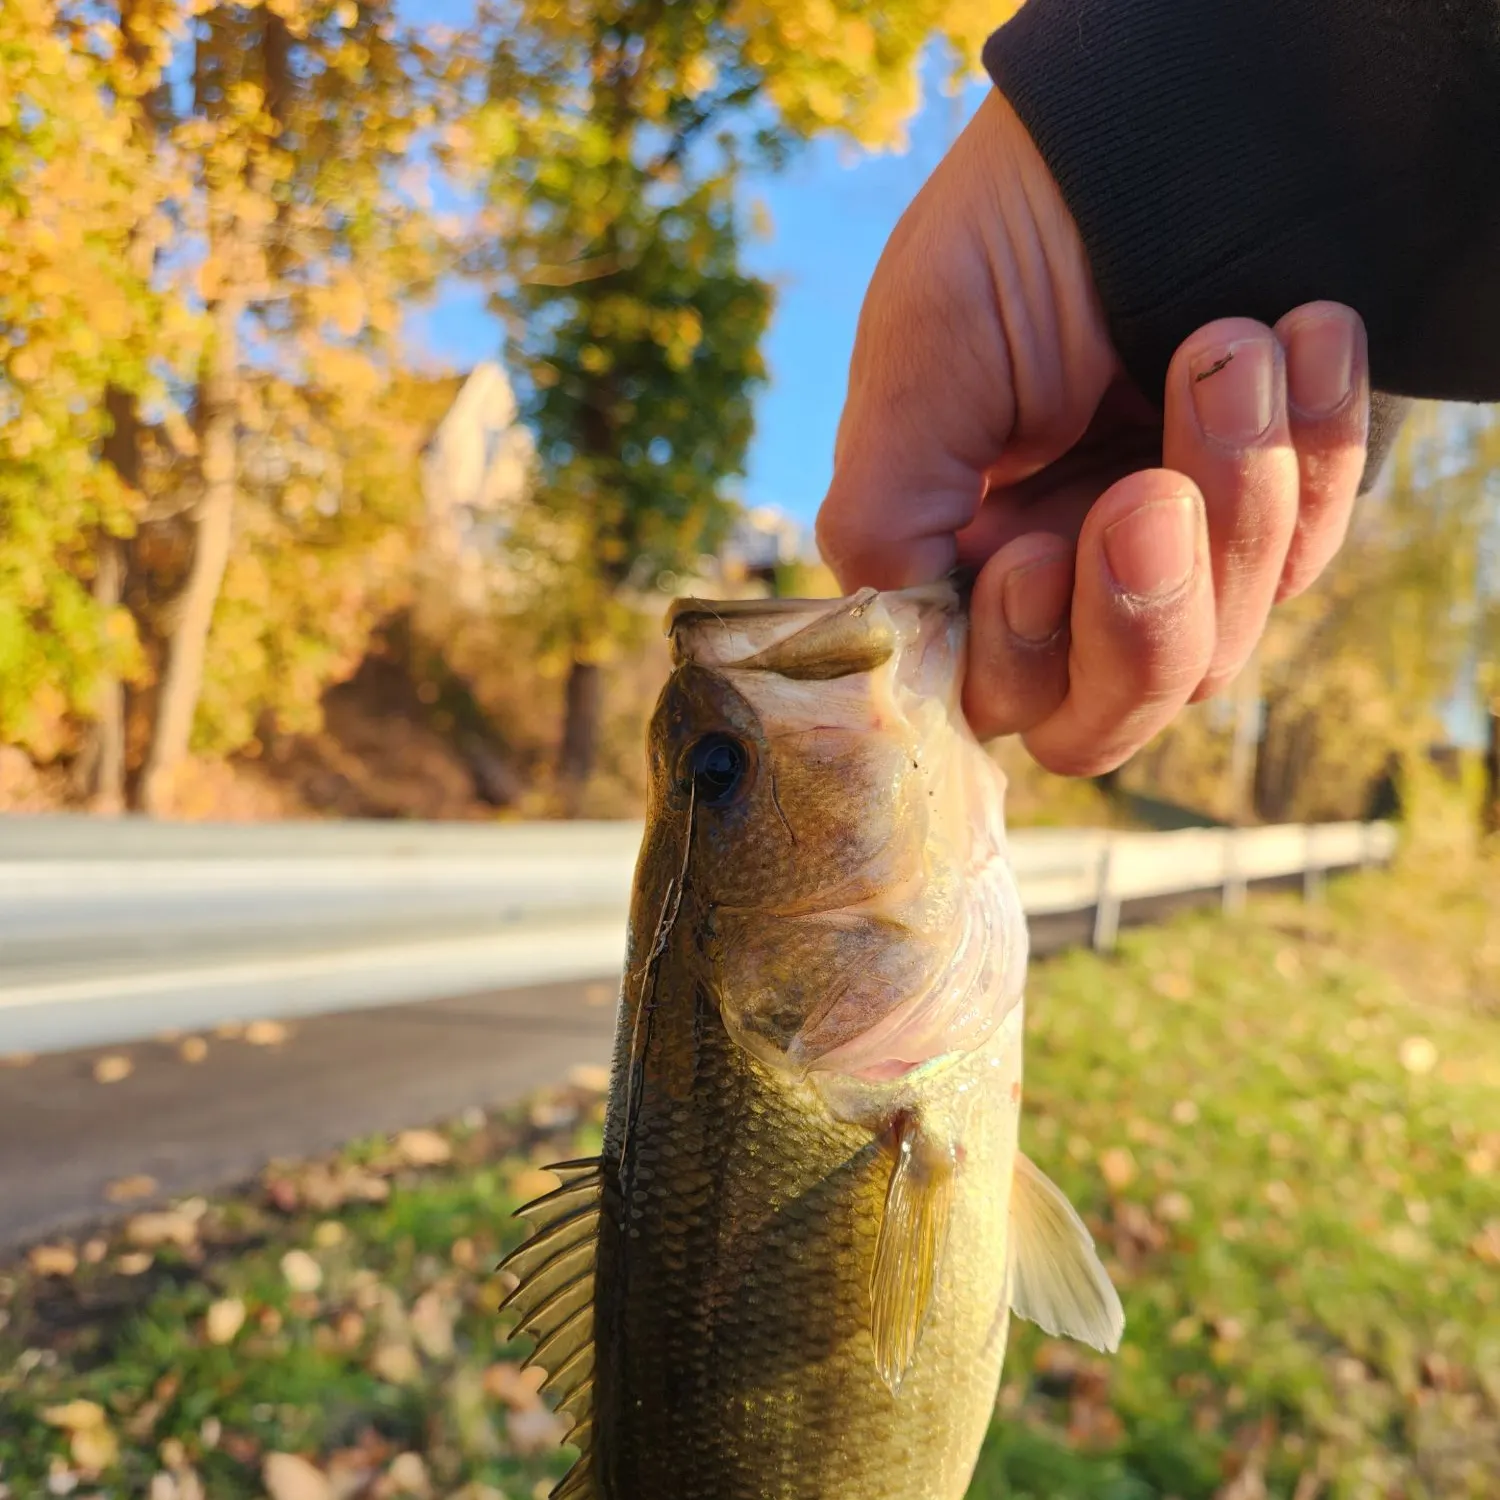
807, 639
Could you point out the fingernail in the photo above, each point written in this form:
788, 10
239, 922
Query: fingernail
1152, 550
1234, 389
1320, 364
1035, 598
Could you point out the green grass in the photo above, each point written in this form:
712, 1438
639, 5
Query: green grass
1302, 1219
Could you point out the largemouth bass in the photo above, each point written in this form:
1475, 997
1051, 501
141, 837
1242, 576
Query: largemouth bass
790, 1274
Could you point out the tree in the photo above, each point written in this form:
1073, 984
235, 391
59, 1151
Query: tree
614, 139
81, 328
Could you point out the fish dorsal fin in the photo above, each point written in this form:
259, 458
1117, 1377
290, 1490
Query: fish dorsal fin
913, 1230
1056, 1278
554, 1304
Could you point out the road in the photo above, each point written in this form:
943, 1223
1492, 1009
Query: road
64, 1137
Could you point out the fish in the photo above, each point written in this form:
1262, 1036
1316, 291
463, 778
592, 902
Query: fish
790, 1272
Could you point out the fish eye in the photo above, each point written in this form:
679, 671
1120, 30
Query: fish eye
719, 763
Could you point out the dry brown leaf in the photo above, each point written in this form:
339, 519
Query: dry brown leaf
1117, 1167
423, 1148
535, 1430
1418, 1055
395, 1363
1174, 1207
74, 1416
171, 1226
53, 1260
406, 1478
517, 1387
288, 1477
1486, 1244
591, 1077
124, 1189
113, 1068
302, 1272
224, 1320
432, 1325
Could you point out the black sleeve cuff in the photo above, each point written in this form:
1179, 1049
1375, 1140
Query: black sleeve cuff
1242, 157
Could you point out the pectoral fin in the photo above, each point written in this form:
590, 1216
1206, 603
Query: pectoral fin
913, 1230
1056, 1279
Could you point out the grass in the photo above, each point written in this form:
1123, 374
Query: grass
1282, 1128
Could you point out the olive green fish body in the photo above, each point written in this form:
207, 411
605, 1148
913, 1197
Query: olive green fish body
732, 1299
790, 1274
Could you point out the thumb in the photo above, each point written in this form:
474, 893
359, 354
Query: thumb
981, 355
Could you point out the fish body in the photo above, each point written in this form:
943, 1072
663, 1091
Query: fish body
790, 1274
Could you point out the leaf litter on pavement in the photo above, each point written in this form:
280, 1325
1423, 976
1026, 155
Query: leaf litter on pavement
1299, 1202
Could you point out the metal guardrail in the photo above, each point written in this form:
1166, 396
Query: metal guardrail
116, 930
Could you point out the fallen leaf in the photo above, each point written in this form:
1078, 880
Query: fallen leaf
172, 1226
515, 1386
553, 1114
94, 1448
74, 1416
224, 1320
192, 1049
288, 1477
535, 1430
1418, 1055
53, 1260
302, 1272
422, 1148
432, 1325
395, 1363
1486, 1244
113, 1068
406, 1477
1174, 1207
1117, 1167
266, 1033
124, 1189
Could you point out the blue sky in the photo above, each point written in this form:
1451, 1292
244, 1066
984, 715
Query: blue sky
830, 218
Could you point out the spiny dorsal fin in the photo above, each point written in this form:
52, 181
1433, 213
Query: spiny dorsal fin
1056, 1278
554, 1304
913, 1230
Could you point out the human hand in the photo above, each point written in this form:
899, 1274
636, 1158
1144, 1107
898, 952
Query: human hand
1127, 558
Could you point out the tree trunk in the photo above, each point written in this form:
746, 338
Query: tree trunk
193, 610
1245, 736
580, 738
1490, 811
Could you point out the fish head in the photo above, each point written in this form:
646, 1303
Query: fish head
836, 831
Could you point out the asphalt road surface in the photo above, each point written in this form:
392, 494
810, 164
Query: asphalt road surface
195, 1127
65, 1136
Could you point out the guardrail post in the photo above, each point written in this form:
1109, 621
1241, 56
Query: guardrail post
1234, 882
1106, 904
1312, 870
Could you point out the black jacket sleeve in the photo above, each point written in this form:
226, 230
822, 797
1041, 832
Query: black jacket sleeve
1241, 157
